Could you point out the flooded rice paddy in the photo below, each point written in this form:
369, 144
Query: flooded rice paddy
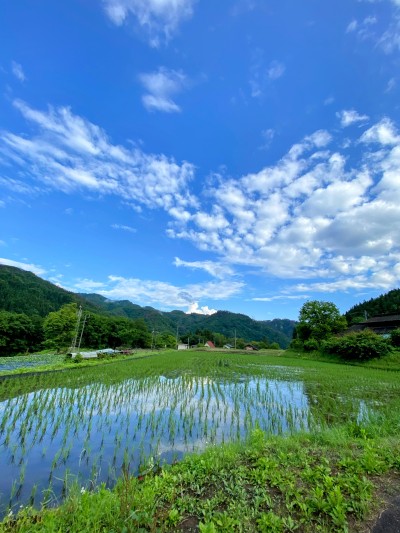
90, 430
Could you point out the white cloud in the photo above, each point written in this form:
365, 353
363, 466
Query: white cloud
268, 136
316, 214
276, 70
88, 285
161, 294
350, 116
329, 100
161, 86
124, 228
390, 39
69, 153
205, 310
18, 71
217, 270
39, 271
352, 26
281, 297
390, 85
364, 28
384, 132
261, 75
311, 215
160, 19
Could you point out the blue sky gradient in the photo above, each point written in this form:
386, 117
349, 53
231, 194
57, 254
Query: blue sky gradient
199, 155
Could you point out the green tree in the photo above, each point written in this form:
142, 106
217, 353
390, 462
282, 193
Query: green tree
319, 320
19, 333
165, 340
59, 327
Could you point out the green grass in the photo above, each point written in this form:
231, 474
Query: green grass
330, 479
60, 362
324, 482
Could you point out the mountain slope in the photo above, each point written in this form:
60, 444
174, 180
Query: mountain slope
225, 322
24, 292
386, 304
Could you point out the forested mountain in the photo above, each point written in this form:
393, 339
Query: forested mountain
386, 304
24, 292
223, 322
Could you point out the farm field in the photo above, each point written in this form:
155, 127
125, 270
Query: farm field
90, 428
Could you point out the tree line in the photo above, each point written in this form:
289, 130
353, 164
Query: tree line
20, 333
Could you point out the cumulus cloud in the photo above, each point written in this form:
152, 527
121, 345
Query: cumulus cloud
312, 215
69, 153
161, 294
205, 310
160, 19
38, 270
316, 216
384, 133
350, 116
161, 86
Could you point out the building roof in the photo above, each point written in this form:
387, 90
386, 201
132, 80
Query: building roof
381, 319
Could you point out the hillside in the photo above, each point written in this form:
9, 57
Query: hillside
225, 322
386, 304
24, 292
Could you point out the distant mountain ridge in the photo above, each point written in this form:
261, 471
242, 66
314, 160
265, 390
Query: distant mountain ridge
225, 322
24, 292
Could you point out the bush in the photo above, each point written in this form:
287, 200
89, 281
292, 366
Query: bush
361, 346
311, 345
395, 337
296, 344
274, 346
78, 358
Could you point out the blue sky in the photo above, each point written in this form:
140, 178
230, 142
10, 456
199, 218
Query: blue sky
199, 155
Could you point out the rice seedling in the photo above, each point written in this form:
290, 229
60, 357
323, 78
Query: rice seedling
93, 424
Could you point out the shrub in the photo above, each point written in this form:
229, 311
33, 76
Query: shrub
361, 346
274, 346
310, 345
78, 358
395, 337
296, 344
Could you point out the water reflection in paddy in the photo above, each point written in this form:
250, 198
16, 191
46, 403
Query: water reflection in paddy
91, 431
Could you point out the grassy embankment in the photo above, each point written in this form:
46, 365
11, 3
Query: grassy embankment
25, 364
330, 479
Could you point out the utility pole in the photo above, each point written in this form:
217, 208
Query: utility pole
83, 327
235, 338
78, 322
177, 330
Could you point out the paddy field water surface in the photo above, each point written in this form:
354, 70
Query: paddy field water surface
91, 425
